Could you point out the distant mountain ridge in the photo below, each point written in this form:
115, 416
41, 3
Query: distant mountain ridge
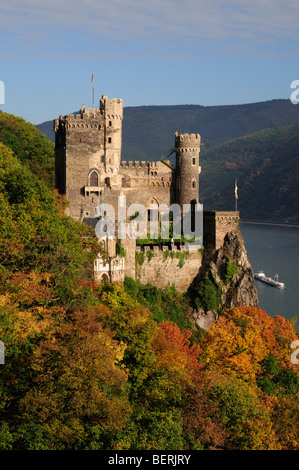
266, 164
148, 131
255, 142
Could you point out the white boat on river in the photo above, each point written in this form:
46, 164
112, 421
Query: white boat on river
261, 276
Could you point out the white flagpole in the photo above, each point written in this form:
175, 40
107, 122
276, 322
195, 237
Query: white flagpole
92, 82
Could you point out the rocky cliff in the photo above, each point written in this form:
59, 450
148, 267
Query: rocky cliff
225, 280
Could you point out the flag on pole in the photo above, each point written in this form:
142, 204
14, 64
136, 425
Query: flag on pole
236, 189
92, 77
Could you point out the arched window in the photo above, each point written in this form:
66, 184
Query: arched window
153, 209
94, 179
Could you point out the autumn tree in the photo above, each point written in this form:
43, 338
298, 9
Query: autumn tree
79, 393
241, 340
158, 407
249, 347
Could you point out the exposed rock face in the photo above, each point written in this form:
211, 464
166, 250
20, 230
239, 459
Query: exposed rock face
242, 289
204, 320
231, 271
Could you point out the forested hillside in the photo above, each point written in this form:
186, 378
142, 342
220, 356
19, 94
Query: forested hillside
148, 131
266, 164
29, 145
109, 366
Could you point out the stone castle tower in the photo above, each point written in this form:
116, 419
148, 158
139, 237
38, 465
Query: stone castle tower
88, 153
187, 148
89, 168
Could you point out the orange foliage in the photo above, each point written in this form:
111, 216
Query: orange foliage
77, 379
243, 337
175, 352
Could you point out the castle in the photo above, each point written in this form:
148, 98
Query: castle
89, 170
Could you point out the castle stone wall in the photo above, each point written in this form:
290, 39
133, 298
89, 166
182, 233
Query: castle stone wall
216, 224
130, 246
167, 267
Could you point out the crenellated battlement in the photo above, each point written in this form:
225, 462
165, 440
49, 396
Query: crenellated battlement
85, 118
187, 140
175, 248
217, 224
135, 164
222, 216
109, 110
112, 109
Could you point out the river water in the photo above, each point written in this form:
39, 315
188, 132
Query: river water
275, 250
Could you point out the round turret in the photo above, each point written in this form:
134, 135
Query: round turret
187, 148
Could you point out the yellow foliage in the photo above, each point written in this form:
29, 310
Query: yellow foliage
235, 344
4, 300
115, 348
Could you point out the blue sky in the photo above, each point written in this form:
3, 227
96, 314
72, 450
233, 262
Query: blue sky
147, 52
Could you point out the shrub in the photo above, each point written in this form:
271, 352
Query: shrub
120, 249
231, 270
149, 255
208, 294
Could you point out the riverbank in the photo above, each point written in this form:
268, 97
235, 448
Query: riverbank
275, 250
274, 224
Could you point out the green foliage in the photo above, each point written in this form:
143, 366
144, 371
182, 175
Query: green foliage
165, 305
29, 145
208, 294
231, 270
120, 249
277, 380
270, 365
182, 256
150, 255
245, 420
261, 161
34, 235
79, 396
131, 325
295, 323
139, 258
